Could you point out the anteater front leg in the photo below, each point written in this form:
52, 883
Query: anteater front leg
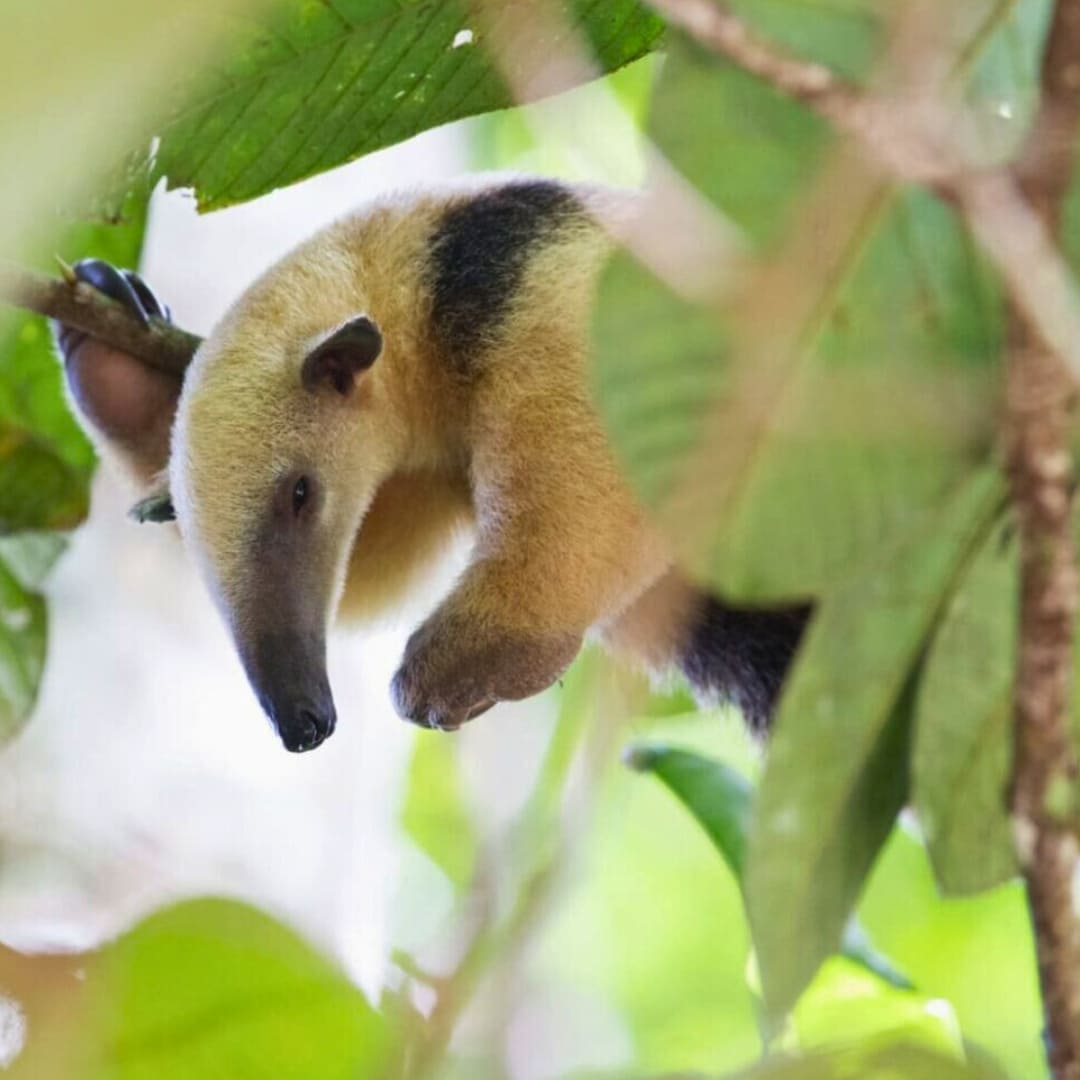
561, 545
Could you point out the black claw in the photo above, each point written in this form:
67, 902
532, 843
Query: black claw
150, 302
123, 286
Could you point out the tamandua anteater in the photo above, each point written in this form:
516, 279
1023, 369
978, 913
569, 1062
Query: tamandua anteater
414, 369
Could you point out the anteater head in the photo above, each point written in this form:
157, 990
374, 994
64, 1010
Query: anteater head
279, 444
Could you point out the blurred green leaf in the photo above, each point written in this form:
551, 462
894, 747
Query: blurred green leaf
30, 556
216, 988
846, 386
37, 489
837, 770
722, 802
435, 814
314, 85
846, 1006
23, 624
869, 1062
77, 82
1003, 88
962, 750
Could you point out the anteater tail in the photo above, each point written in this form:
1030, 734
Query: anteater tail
740, 655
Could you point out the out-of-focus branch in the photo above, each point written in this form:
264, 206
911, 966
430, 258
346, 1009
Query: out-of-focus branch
1039, 398
917, 143
160, 345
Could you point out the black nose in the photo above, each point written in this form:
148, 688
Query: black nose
307, 727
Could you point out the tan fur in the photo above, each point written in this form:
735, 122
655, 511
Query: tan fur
562, 546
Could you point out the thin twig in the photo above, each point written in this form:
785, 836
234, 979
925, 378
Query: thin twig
160, 345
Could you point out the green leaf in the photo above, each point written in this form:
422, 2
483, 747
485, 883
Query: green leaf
316, 84
789, 429
216, 988
836, 774
963, 724
722, 802
718, 797
23, 624
435, 814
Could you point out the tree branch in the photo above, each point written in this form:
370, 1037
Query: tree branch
1038, 403
160, 345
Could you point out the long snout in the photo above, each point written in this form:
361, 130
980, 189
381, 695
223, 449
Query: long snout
287, 671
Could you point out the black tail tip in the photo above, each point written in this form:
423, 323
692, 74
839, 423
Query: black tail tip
741, 655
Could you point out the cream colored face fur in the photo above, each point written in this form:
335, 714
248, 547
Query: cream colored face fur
246, 424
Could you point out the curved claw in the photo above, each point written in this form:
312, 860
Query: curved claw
123, 286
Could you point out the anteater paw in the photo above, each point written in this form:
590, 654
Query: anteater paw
452, 673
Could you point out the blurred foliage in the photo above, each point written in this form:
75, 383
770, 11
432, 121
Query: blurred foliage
824, 427
435, 815
210, 987
77, 82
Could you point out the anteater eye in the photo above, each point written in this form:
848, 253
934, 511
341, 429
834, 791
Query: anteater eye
300, 493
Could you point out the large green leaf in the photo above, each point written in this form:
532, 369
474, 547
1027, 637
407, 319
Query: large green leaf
788, 430
836, 774
215, 988
315, 84
963, 731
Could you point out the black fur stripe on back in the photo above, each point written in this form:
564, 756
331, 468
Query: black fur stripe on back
478, 257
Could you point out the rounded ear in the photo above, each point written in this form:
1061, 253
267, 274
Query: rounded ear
339, 360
